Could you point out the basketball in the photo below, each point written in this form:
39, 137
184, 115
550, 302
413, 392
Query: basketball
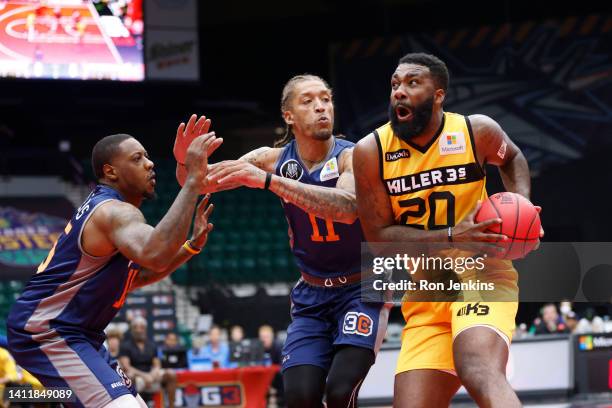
520, 223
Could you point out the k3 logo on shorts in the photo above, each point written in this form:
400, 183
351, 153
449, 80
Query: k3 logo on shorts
475, 308
292, 169
357, 323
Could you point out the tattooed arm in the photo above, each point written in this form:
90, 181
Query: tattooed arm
336, 203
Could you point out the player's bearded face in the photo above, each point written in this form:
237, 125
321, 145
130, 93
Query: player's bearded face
418, 117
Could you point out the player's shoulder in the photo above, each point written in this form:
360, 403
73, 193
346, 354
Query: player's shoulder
115, 213
483, 124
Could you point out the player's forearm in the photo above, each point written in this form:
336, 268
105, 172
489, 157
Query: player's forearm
323, 202
515, 175
147, 276
171, 232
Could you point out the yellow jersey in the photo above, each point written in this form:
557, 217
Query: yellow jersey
433, 186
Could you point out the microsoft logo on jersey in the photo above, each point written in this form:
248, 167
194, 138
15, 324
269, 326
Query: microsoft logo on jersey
452, 143
585, 343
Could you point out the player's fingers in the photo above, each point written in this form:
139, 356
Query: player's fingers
180, 130
205, 126
209, 211
202, 142
206, 143
199, 125
224, 172
203, 203
210, 227
214, 146
541, 232
191, 124
488, 223
494, 237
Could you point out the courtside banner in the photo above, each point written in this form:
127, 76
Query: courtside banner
475, 272
28, 229
172, 55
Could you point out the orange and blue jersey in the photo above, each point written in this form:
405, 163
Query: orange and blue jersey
56, 327
321, 247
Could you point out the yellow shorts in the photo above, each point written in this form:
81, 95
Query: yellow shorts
427, 339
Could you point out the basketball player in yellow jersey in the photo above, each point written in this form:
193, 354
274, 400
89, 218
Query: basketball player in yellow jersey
421, 178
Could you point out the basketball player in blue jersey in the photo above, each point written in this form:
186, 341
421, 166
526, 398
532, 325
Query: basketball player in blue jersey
56, 327
334, 336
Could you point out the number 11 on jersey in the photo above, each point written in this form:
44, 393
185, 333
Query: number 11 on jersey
316, 235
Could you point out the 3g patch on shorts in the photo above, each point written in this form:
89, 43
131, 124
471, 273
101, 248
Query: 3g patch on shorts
357, 323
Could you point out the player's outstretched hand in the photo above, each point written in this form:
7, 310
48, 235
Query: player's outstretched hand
201, 226
196, 161
232, 172
185, 134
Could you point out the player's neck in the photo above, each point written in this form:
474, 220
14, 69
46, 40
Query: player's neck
312, 152
430, 131
134, 199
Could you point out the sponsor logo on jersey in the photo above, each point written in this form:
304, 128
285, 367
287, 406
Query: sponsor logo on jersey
292, 169
396, 155
330, 170
357, 323
452, 143
473, 308
441, 176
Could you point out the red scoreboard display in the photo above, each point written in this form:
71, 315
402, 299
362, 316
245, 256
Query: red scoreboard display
72, 39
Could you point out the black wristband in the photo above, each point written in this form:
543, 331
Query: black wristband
450, 234
268, 181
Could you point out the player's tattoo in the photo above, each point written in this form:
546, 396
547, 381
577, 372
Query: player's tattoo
263, 158
323, 202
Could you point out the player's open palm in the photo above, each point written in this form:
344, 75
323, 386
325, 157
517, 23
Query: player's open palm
201, 225
232, 172
196, 160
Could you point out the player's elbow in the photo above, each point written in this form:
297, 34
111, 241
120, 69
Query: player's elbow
157, 262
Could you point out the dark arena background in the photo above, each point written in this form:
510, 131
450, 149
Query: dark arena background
73, 71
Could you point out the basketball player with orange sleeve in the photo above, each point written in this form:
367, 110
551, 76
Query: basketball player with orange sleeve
334, 336
56, 327
439, 158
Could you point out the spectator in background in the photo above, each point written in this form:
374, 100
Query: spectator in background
215, 354
3, 342
272, 349
138, 357
236, 334
272, 354
550, 322
171, 342
571, 321
113, 342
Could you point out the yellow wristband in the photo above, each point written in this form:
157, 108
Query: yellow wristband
189, 248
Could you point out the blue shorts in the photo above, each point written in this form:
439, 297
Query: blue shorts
325, 318
71, 361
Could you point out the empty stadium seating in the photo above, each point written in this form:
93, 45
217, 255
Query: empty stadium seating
249, 243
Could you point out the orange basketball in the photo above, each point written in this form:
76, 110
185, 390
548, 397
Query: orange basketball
520, 222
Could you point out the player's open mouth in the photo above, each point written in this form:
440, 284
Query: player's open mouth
403, 113
323, 119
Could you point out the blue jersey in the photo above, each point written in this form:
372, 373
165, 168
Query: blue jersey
73, 292
321, 248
